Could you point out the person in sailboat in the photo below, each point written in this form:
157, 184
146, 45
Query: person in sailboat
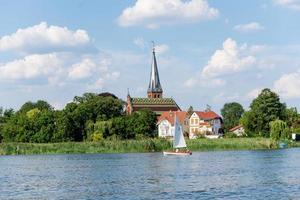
179, 144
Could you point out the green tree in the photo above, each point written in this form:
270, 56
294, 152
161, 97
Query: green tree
119, 128
40, 104
1, 123
279, 130
5, 115
264, 109
248, 121
77, 121
292, 117
231, 113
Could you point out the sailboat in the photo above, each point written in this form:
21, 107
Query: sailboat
179, 144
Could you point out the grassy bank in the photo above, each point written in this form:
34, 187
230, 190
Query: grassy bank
130, 146
104, 146
231, 144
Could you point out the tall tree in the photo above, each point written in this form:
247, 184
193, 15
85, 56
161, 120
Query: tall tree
40, 104
292, 117
231, 113
264, 109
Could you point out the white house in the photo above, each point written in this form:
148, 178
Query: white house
238, 130
166, 123
205, 123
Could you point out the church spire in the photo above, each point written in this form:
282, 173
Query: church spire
154, 89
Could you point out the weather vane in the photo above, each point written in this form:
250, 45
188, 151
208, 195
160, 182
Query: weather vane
153, 45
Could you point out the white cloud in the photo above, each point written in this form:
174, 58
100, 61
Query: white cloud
288, 85
290, 4
204, 82
153, 13
42, 37
140, 42
223, 97
31, 66
228, 60
161, 48
94, 69
82, 70
253, 93
250, 27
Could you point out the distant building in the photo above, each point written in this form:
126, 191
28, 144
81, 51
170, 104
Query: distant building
238, 130
166, 123
205, 123
154, 100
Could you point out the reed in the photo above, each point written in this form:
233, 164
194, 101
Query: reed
231, 144
105, 146
131, 146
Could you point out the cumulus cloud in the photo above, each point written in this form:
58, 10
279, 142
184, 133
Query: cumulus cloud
153, 13
290, 4
253, 93
288, 85
31, 66
82, 70
59, 69
43, 37
250, 27
228, 60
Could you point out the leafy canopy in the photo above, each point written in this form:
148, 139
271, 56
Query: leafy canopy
231, 113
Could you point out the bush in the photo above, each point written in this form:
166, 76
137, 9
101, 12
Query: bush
279, 130
230, 135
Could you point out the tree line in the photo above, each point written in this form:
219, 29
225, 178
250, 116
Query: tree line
267, 117
90, 117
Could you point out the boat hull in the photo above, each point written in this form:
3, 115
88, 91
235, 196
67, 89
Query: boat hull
166, 153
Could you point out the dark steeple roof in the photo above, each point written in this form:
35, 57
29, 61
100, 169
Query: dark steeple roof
154, 85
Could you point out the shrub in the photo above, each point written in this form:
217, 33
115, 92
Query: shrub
279, 130
230, 135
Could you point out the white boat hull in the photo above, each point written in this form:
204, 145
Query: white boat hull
166, 153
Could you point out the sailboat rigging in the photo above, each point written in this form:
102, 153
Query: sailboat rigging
179, 144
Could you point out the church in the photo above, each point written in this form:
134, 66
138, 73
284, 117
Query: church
154, 99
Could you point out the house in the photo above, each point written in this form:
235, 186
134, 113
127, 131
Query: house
205, 123
154, 100
166, 123
238, 130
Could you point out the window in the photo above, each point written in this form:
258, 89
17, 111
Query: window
192, 121
196, 121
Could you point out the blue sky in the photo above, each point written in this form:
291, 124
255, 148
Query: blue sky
209, 52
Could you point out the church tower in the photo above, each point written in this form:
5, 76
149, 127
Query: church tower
154, 89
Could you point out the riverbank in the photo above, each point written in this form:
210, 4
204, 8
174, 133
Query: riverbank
133, 146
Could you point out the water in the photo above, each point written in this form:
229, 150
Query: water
207, 175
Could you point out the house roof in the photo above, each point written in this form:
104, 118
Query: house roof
170, 116
207, 115
235, 128
153, 101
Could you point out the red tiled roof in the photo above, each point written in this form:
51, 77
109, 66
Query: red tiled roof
235, 128
170, 116
207, 115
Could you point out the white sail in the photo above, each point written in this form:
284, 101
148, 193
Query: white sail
179, 141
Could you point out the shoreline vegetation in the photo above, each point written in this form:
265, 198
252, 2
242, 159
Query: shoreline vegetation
137, 146
98, 123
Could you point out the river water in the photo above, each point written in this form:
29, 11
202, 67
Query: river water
204, 175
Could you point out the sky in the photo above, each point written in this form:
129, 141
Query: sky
209, 52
